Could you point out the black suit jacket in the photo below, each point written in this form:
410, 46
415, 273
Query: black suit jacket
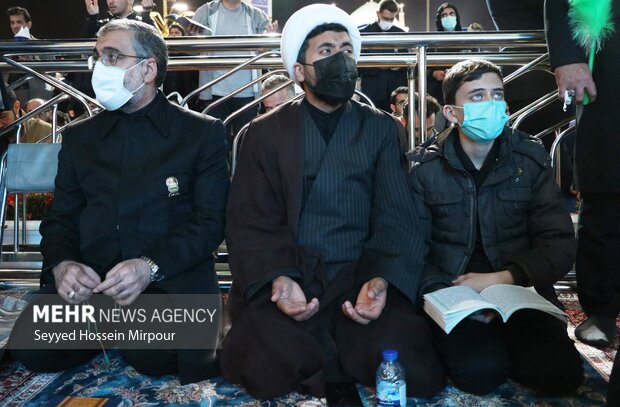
111, 201
379, 83
94, 23
516, 15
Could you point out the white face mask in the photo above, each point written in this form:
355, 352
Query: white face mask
449, 23
109, 85
385, 25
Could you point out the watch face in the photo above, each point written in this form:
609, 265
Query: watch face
156, 277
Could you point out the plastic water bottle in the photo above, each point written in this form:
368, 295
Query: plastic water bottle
391, 385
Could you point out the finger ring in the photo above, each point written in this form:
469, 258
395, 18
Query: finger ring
71, 295
569, 95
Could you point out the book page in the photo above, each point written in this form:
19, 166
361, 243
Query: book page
449, 306
511, 298
456, 299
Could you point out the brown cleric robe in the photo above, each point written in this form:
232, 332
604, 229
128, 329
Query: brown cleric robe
356, 221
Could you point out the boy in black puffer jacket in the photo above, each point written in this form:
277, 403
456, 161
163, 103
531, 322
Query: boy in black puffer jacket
494, 216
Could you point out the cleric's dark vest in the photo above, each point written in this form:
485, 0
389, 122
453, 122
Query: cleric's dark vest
337, 191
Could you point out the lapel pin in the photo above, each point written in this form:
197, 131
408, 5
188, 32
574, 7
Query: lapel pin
173, 186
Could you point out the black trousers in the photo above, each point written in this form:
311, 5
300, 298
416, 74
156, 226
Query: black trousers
271, 354
598, 266
598, 254
532, 348
613, 392
152, 362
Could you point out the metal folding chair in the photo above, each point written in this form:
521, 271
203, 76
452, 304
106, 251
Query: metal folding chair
26, 168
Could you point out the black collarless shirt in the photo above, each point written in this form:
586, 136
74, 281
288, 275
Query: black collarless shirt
325, 122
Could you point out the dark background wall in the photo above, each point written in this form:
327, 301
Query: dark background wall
65, 18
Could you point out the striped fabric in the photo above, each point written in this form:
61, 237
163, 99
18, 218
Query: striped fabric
356, 199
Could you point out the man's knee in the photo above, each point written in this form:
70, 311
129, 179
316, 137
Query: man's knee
481, 377
271, 355
151, 362
553, 379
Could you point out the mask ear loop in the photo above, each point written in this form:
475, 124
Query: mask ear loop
143, 81
453, 124
91, 63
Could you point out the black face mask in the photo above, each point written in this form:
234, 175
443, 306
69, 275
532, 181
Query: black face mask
335, 79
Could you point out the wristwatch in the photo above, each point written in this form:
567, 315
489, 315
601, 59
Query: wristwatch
155, 274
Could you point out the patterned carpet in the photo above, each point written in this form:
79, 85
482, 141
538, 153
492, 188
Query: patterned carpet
601, 359
125, 387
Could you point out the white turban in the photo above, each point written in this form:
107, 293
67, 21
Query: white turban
307, 19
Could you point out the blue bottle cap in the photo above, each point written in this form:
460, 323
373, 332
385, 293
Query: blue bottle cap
390, 355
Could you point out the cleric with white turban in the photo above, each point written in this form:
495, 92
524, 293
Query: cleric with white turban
323, 239
305, 20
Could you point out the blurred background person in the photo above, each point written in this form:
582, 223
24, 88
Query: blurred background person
116, 9
182, 82
432, 109
231, 17
398, 99
176, 30
447, 19
280, 97
30, 131
378, 83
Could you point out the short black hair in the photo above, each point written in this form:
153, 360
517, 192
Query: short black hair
438, 17
8, 104
432, 106
318, 30
398, 91
14, 11
389, 5
465, 71
178, 27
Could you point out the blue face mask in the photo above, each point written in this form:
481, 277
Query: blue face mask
484, 121
448, 23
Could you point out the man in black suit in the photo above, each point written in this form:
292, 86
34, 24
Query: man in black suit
378, 83
597, 174
596, 151
139, 201
117, 9
527, 15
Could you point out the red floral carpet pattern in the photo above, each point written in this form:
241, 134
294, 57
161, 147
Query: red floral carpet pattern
601, 359
19, 385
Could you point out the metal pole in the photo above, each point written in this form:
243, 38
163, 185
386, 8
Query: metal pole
422, 92
410, 100
55, 124
24, 220
428, 15
16, 225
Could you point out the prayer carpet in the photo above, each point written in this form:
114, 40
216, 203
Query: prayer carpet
125, 387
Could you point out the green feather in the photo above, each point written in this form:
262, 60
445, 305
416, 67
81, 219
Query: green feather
590, 22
